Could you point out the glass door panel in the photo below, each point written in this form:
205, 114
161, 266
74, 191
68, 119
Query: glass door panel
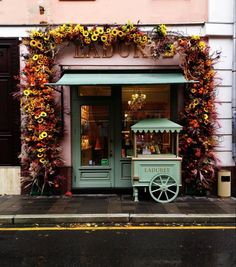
155, 104
95, 135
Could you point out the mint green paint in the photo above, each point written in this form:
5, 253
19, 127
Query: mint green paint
145, 171
120, 79
116, 172
156, 125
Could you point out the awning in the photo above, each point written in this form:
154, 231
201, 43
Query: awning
120, 78
156, 125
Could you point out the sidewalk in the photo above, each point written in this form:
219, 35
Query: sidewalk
114, 208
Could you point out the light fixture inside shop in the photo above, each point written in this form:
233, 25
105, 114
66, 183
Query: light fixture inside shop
137, 100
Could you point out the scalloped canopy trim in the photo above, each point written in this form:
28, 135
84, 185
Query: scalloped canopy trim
156, 125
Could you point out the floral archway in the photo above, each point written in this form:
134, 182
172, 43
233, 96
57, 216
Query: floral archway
41, 125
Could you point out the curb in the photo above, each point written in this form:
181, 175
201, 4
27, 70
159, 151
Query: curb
183, 218
115, 218
6, 219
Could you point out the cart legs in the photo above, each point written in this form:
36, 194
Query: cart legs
135, 194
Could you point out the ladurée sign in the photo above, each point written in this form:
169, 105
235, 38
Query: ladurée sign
121, 49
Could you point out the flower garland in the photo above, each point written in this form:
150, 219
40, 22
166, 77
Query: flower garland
40, 120
199, 117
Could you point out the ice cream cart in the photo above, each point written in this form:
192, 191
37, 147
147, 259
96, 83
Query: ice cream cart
156, 164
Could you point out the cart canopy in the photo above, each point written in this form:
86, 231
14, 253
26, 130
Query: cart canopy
156, 125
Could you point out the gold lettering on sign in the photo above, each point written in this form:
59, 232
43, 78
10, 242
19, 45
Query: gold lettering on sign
93, 51
139, 51
157, 169
81, 52
121, 49
108, 52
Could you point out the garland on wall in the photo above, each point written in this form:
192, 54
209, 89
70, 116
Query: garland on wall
40, 119
199, 117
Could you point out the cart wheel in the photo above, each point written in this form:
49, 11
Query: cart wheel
163, 188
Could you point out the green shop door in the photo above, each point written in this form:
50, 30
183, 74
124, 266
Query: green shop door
93, 161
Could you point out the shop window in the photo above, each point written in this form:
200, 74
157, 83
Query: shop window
94, 91
142, 102
94, 135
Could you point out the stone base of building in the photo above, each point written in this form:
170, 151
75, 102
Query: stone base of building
10, 180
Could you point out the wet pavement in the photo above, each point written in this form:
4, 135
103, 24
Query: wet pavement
114, 207
118, 248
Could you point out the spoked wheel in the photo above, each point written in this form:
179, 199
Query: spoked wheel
163, 188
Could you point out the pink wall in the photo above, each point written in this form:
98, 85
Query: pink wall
103, 11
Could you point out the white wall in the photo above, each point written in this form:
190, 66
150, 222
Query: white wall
219, 28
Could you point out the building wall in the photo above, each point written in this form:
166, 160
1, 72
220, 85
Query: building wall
219, 28
103, 11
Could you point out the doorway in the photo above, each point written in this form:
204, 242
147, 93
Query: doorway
101, 136
96, 138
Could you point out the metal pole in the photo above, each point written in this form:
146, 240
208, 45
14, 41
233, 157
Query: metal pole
177, 144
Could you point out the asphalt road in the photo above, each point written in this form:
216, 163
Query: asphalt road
121, 246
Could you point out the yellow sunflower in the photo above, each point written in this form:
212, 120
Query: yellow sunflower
95, 32
87, 40
39, 45
100, 30
205, 116
43, 161
104, 38
35, 57
85, 33
26, 92
43, 135
114, 32
52, 45
37, 69
94, 37
120, 34
46, 37
33, 43
145, 38
43, 114
201, 45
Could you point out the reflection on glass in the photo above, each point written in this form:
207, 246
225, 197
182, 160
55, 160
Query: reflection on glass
94, 135
154, 143
94, 90
157, 105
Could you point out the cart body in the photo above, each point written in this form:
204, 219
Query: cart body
152, 169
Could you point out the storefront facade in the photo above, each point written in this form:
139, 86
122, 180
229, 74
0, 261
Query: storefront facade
97, 91
96, 146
